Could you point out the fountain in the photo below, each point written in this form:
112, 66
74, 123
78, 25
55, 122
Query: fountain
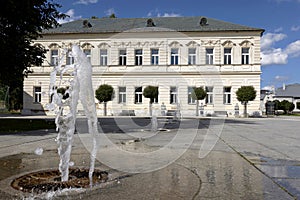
80, 88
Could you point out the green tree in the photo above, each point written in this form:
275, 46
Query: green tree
287, 106
105, 93
22, 22
244, 95
198, 93
151, 92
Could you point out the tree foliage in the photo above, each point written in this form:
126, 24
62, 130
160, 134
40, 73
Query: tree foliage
151, 92
22, 22
246, 94
198, 93
104, 93
286, 106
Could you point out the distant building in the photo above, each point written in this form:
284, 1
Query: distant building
290, 93
174, 54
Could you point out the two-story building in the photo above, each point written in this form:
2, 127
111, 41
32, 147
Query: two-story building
174, 54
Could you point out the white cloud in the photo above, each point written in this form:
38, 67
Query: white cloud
86, 2
295, 28
270, 39
72, 17
157, 13
293, 49
110, 11
281, 78
274, 57
268, 87
280, 29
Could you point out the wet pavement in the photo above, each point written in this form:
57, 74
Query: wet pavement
227, 159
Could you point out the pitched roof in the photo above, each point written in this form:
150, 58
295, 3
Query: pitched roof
292, 90
180, 24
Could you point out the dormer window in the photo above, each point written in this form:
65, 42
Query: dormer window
150, 23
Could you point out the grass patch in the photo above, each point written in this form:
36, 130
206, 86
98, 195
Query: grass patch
16, 125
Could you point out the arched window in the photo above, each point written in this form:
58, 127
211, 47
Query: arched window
228, 52
246, 52
54, 54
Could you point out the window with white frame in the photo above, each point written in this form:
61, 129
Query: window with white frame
87, 52
245, 55
191, 100
103, 57
70, 58
209, 56
122, 57
54, 57
192, 56
227, 56
173, 95
37, 94
174, 56
227, 95
138, 97
138, 57
154, 56
122, 94
209, 95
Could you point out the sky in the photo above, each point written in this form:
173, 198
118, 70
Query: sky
280, 43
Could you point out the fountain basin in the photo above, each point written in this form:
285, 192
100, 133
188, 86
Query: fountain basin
49, 180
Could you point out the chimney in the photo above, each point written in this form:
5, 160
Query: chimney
283, 86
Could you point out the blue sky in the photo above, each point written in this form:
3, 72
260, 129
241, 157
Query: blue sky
279, 18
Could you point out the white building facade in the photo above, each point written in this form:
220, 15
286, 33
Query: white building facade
173, 54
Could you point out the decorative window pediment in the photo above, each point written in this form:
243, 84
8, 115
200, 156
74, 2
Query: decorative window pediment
103, 45
246, 43
192, 44
87, 45
228, 43
54, 46
175, 44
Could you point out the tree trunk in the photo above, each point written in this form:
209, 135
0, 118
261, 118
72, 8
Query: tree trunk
105, 108
245, 109
150, 108
197, 108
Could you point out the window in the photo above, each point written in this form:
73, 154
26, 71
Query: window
138, 95
122, 57
227, 95
138, 57
154, 56
209, 95
209, 56
122, 94
54, 57
173, 95
227, 56
245, 56
103, 57
37, 94
87, 52
192, 56
70, 58
191, 100
174, 57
